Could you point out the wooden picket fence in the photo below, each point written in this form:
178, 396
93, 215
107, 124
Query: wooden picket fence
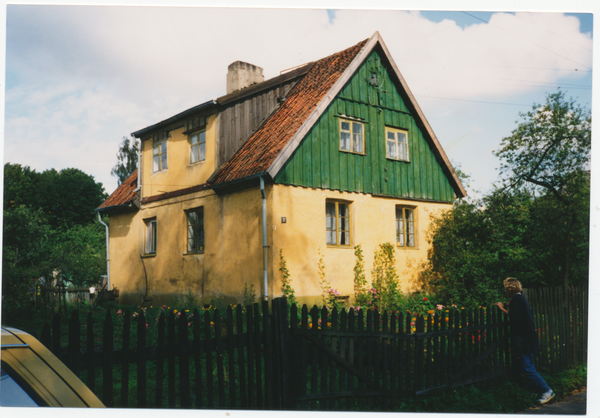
270, 357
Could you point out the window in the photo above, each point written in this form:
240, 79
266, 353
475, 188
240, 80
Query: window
150, 237
195, 230
352, 137
337, 216
197, 147
159, 156
405, 226
396, 144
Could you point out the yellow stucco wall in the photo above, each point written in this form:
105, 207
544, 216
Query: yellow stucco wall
302, 237
229, 261
233, 253
180, 173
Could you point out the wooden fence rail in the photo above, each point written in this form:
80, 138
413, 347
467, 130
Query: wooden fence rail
280, 357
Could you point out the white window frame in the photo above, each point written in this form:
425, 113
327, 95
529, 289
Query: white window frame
338, 223
195, 230
197, 142
160, 161
351, 137
395, 148
406, 226
150, 236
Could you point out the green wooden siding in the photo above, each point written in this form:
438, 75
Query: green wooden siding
318, 162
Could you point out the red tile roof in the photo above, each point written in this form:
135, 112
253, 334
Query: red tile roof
259, 152
124, 194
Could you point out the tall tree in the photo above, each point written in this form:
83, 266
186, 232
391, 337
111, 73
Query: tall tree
127, 159
67, 197
549, 153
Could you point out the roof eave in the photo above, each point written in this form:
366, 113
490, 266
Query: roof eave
175, 118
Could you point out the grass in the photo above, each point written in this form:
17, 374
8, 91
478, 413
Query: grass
508, 396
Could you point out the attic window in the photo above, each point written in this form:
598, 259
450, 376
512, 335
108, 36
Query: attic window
352, 137
197, 147
396, 144
159, 156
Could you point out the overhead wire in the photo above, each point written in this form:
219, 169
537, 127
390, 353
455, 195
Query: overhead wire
527, 40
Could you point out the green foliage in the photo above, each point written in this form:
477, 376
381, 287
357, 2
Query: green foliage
249, 295
360, 280
286, 282
385, 277
550, 145
49, 226
127, 159
548, 154
66, 198
79, 253
536, 227
26, 244
329, 294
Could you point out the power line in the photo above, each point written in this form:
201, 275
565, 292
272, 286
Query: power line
555, 34
522, 84
527, 40
475, 101
575, 70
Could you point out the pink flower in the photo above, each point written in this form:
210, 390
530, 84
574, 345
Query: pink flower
425, 299
146, 325
119, 312
440, 307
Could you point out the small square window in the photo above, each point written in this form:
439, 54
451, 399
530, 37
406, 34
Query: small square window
405, 226
337, 220
150, 236
396, 144
197, 147
352, 138
159, 156
195, 230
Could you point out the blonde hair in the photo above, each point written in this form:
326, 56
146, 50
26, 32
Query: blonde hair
512, 286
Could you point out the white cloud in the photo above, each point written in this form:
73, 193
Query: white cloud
82, 77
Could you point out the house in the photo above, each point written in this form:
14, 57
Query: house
327, 156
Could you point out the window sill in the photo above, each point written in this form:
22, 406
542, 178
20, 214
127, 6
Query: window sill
149, 255
161, 171
341, 247
198, 253
404, 247
397, 159
196, 163
352, 152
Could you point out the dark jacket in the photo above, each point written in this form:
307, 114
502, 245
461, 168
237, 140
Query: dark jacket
522, 330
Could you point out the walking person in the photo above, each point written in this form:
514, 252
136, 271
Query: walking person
523, 335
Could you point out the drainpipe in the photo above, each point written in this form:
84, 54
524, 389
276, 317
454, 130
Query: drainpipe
107, 253
264, 232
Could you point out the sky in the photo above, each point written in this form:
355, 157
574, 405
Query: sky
80, 78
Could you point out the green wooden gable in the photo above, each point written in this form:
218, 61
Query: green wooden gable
371, 97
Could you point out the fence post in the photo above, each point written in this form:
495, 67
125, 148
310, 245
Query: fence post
74, 349
56, 335
286, 355
141, 360
107, 366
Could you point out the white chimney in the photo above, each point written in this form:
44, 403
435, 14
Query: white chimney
241, 74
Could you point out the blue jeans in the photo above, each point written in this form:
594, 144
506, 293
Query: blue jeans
528, 369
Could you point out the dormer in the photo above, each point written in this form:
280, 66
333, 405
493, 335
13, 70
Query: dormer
178, 153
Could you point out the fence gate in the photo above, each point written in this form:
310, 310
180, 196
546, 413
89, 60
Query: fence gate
364, 361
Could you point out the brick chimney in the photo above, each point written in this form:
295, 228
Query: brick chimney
241, 74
